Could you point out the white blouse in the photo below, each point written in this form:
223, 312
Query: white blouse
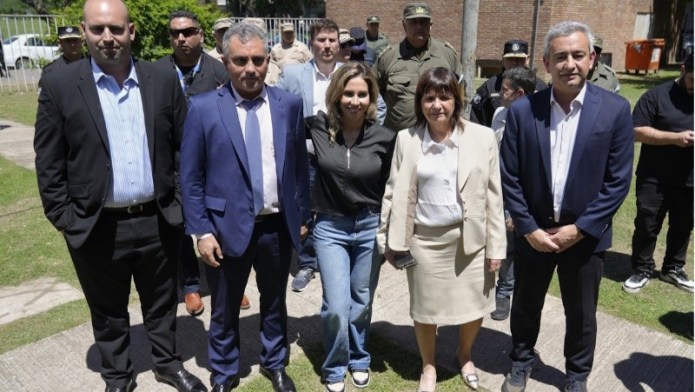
437, 171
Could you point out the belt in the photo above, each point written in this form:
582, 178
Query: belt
265, 218
143, 208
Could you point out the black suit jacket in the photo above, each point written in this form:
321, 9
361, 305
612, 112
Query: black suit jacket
73, 163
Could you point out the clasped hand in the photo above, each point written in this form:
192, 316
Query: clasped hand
554, 240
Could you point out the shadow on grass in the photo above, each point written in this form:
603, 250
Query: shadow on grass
617, 266
679, 323
658, 373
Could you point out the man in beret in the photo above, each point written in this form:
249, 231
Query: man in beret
487, 98
375, 40
289, 50
602, 75
70, 43
399, 67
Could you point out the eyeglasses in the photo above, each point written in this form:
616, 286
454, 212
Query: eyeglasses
187, 32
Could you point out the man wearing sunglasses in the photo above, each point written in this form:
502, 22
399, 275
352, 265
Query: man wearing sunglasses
198, 72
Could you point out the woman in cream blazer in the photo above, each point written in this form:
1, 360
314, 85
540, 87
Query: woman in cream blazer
454, 230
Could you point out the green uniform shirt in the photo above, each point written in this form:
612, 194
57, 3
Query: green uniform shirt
604, 77
398, 71
378, 44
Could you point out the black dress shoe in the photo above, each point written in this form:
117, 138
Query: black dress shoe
226, 387
281, 381
181, 380
128, 388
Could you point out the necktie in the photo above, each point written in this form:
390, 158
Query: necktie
253, 153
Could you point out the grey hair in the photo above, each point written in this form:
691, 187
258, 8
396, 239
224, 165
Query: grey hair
244, 32
563, 29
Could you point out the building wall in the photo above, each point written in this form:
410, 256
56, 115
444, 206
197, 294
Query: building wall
501, 20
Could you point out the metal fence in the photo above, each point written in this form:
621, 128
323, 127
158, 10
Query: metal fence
24, 70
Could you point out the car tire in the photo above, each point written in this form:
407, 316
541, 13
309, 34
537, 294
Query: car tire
24, 63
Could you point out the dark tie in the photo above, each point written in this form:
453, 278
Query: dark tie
253, 152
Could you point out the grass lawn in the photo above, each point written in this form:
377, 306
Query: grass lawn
31, 248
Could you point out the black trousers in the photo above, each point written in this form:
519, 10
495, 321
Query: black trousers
579, 276
654, 201
144, 248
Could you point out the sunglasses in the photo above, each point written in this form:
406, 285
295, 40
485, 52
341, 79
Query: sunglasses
187, 32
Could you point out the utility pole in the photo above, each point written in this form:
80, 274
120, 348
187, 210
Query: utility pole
469, 41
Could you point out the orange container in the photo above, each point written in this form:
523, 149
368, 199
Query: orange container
643, 55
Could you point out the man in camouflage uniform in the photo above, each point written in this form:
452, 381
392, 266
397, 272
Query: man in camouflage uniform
602, 75
289, 50
375, 40
398, 69
219, 28
70, 42
487, 98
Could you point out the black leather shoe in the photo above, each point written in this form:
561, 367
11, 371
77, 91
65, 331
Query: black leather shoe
181, 380
226, 387
128, 388
281, 381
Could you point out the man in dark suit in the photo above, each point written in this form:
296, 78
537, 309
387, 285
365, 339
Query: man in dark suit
245, 186
107, 132
566, 168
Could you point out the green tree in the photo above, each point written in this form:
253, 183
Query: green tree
151, 19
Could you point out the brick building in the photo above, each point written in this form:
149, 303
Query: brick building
617, 21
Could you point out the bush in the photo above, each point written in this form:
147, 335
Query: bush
151, 19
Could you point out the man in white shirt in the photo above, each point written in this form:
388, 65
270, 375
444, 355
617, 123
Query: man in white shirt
310, 81
516, 83
566, 169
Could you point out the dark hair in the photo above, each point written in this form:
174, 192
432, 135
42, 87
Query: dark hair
184, 14
441, 80
521, 77
688, 63
323, 24
341, 77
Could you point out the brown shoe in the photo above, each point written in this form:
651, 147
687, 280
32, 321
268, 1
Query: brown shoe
245, 304
194, 305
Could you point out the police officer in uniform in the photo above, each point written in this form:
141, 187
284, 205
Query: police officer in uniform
375, 40
289, 50
398, 68
487, 98
70, 42
602, 75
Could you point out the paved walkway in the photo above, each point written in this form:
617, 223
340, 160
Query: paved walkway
628, 357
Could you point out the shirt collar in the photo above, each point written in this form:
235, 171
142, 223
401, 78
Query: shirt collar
577, 102
317, 72
450, 142
238, 100
98, 73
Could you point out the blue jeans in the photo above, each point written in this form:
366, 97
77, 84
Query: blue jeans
306, 257
350, 264
505, 282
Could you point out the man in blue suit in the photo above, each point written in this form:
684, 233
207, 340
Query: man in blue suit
566, 168
245, 187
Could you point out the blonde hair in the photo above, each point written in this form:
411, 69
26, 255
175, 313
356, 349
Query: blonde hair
341, 77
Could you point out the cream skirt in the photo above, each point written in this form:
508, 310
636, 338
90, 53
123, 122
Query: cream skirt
446, 287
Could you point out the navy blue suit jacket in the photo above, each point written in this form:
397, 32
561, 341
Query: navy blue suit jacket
215, 179
600, 169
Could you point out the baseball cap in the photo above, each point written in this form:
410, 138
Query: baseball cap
286, 27
357, 34
515, 48
417, 10
222, 23
597, 42
344, 36
68, 32
373, 19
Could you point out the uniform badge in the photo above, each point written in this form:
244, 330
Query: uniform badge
515, 47
476, 99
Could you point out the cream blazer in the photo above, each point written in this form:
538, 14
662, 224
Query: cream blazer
479, 187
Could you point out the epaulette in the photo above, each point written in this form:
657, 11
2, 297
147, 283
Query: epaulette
448, 45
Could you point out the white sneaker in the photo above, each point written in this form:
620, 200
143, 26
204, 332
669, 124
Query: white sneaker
679, 278
635, 282
360, 378
335, 387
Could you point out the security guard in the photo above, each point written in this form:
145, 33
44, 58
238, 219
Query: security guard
487, 98
398, 69
70, 42
375, 40
602, 75
290, 50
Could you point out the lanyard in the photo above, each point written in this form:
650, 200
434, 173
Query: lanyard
182, 79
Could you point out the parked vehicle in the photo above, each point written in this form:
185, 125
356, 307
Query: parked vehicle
27, 50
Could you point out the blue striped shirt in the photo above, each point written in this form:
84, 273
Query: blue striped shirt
131, 182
